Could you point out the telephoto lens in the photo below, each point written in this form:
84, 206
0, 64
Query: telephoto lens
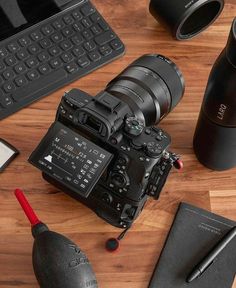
215, 136
152, 86
186, 18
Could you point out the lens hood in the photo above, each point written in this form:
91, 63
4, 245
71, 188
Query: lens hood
186, 18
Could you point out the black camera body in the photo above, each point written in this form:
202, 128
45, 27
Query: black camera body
101, 153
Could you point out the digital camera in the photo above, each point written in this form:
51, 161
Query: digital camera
103, 150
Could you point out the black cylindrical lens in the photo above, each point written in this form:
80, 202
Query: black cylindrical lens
186, 18
152, 86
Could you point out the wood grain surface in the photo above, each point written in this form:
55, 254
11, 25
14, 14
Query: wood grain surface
133, 265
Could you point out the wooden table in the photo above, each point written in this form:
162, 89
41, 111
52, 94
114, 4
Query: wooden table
133, 265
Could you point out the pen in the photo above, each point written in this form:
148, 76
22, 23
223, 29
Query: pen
211, 257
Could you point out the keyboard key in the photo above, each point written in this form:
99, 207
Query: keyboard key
40, 84
43, 56
87, 22
2, 66
32, 62
87, 9
83, 62
47, 30
94, 56
5, 100
8, 74
78, 51
45, 43
116, 44
58, 25
44, 69
9, 87
87, 34
89, 46
68, 19
77, 15
33, 75
55, 51
36, 36
56, 37
105, 50
103, 24
96, 29
3, 53
21, 81
95, 17
24, 41
77, 40
67, 32
67, 57
72, 68
78, 27
20, 68
56, 63
105, 38
34, 49
22, 54
13, 47
66, 45
11, 60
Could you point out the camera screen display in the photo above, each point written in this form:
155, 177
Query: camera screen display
71, 159
17, 15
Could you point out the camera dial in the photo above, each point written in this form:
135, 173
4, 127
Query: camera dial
120, 180
133, 126
153, 149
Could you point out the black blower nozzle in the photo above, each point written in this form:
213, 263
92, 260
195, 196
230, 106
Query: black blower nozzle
57, 261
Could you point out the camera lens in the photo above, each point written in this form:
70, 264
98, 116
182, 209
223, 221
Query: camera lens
152, 86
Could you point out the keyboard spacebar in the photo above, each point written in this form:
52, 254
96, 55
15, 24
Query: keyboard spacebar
38, 85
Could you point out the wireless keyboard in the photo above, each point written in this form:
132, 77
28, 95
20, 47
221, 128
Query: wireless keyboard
52, 53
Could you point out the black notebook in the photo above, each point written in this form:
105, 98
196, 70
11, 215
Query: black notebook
193, 234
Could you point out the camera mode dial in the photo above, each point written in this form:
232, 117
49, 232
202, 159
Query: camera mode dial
133, 126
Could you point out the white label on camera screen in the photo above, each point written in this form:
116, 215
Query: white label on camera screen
5, 154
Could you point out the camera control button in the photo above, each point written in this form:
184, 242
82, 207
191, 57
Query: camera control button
138, 143
106, 197
122, 161
148, 131
119, 179
159, 138
131, 212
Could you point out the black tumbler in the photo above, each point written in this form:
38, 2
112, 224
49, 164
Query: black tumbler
215, 136
186, 18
